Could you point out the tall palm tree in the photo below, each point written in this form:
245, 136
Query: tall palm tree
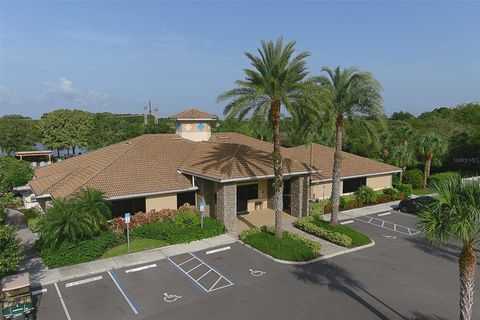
354, 95
402, 155
429, 146
455, 218
278, 78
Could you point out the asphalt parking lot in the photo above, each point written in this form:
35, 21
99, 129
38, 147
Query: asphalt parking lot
398, 278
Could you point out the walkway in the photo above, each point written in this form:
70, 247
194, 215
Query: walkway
32, 262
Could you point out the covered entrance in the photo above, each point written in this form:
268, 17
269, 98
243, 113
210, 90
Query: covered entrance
245, 193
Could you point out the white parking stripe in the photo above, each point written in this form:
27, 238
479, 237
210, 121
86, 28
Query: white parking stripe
186, 261
141, 268
384, 214
385, 225
62, 302
76, 283
346, 222
123, 293
219, 278
218, 250
210, 270
40, 291
193, 268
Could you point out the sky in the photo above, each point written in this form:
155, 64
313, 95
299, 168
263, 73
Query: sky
115, 56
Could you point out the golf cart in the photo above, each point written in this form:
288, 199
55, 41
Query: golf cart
16, 298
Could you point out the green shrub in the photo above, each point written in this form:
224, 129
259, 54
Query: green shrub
14, 173
172, 233
358, 238
34, 223
316, 208
365, 195
343, 202
11, 254
353, 203
68, 253
382, 198
9, 200
31, 213
187, 219
414, 177
395, 178
306, 224
290, 246
392, 192
439, 177
404, 188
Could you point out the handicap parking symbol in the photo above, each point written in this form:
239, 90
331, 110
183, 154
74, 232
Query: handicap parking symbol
256, 273
170, 297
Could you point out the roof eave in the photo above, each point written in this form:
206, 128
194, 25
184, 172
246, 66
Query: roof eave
249, 178
360, 175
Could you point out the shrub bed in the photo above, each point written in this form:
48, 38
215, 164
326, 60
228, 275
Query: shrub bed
404, 188
135, 245
414, 177
68, 253
290, 246
174, 233
439, 177
357, 238
11, 254
307, 224
33, 218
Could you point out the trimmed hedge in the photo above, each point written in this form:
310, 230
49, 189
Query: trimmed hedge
290, 246
306, 224
316, 208
439, 177
414, 177
69, 253
365, 195
404, 188
358, 238
174, 233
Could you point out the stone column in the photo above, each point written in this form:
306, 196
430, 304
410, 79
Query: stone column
299, 196
227, 206
207, 191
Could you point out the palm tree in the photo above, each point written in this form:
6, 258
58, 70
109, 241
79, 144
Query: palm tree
455, 218
354, 95
429, 146
64, 221
402, 155
92, 203
278, 78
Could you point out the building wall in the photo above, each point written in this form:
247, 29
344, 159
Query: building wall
374, 182
194, 130
164, 201
380, 182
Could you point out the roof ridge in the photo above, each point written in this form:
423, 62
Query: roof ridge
113, 161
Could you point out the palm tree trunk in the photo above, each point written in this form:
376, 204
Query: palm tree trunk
337, 162
425, 174
277, 169
401, 176
467, 264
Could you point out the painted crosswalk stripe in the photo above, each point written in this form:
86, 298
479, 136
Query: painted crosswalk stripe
218, 250
141, 268
62, 302
76, 283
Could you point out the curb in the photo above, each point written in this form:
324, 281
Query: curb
299, 263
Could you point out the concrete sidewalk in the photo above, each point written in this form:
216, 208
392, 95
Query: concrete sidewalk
50, 276
363, 211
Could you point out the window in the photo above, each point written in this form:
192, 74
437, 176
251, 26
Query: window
120, 207
351, 185
186, 197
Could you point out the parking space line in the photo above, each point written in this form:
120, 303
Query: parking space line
386, 225
62, 302
123, 292
186, 261
76, 283
346, 222
196, 281
218, 250
384, 214
141, 268
39, 291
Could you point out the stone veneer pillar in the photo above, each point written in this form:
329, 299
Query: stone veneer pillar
227, 206
299, 196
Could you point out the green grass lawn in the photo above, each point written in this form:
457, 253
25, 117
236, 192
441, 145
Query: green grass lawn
285, 248
422, 192
358, 238
135, 245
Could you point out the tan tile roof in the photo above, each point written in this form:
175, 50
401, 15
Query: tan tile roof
223, 161
145, 164
193, 113
352, 165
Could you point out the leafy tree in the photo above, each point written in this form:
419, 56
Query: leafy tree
354, 95
13, 173
402, 115
454, 217
79, 128
11, 254
16, 133
109, 129
429, 146
278, 78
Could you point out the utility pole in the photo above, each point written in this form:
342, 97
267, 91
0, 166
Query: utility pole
149, 110
145, 119
155, 112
